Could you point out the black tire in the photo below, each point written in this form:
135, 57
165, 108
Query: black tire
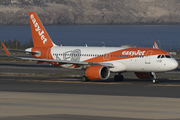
116, 78
155, 81
121, 78
84, 79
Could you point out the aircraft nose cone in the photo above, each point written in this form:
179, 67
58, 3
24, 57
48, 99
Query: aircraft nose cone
174, 64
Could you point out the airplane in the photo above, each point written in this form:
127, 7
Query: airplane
155, 46
97, 62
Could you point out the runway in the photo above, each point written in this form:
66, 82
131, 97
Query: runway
43, 106
67, 98
24, 68
73, 85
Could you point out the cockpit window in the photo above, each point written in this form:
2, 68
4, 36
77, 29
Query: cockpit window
168, 56
162, 56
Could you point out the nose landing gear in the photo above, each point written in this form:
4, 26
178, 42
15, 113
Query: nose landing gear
155, 81
154, 77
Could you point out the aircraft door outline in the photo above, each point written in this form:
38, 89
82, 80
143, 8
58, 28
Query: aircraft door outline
148, 57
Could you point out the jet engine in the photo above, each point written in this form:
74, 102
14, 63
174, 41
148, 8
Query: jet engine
144, 75
97, 72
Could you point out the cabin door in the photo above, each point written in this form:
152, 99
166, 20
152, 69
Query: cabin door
148, 57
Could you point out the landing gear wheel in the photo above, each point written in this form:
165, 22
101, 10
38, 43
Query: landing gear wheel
118, 78
154, 76
84, 79
155, 81
121, 77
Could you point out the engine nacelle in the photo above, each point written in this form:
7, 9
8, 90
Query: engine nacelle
97, 72
144, 75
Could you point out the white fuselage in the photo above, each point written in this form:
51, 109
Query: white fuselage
139, 61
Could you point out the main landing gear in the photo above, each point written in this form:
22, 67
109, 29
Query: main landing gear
154, 76
118, 77
85, 79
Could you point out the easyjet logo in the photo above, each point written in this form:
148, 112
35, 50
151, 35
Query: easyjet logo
38, 29
139, 52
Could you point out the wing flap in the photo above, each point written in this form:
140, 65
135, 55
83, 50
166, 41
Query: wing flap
68, 62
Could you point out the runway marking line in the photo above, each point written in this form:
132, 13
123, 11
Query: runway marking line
73, 81
8, 79
165, 85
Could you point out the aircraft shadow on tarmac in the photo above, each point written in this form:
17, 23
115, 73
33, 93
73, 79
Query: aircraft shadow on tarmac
78, 80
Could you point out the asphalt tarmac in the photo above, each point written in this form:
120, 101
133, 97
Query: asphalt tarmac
67, 98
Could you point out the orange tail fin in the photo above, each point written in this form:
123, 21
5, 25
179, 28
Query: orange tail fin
39, 34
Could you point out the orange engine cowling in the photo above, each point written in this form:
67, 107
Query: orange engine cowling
144, 75
97, 72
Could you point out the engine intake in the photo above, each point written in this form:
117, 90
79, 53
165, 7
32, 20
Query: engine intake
97, 72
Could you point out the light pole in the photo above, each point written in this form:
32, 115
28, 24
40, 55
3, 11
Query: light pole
159, 44
104, 44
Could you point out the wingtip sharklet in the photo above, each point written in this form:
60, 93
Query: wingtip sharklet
6, 50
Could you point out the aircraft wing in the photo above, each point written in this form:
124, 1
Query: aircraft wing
57, 61
67, 62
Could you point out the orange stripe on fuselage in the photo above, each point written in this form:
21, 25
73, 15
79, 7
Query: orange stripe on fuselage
126, 53
116, 55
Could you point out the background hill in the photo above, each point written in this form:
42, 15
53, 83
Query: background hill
58, 12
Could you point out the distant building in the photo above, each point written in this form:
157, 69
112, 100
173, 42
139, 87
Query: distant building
134, 46
14, 1
173, 53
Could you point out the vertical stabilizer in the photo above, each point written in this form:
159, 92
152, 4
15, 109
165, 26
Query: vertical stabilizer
39, 35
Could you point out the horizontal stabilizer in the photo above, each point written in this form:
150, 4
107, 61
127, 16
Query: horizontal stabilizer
23, 51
